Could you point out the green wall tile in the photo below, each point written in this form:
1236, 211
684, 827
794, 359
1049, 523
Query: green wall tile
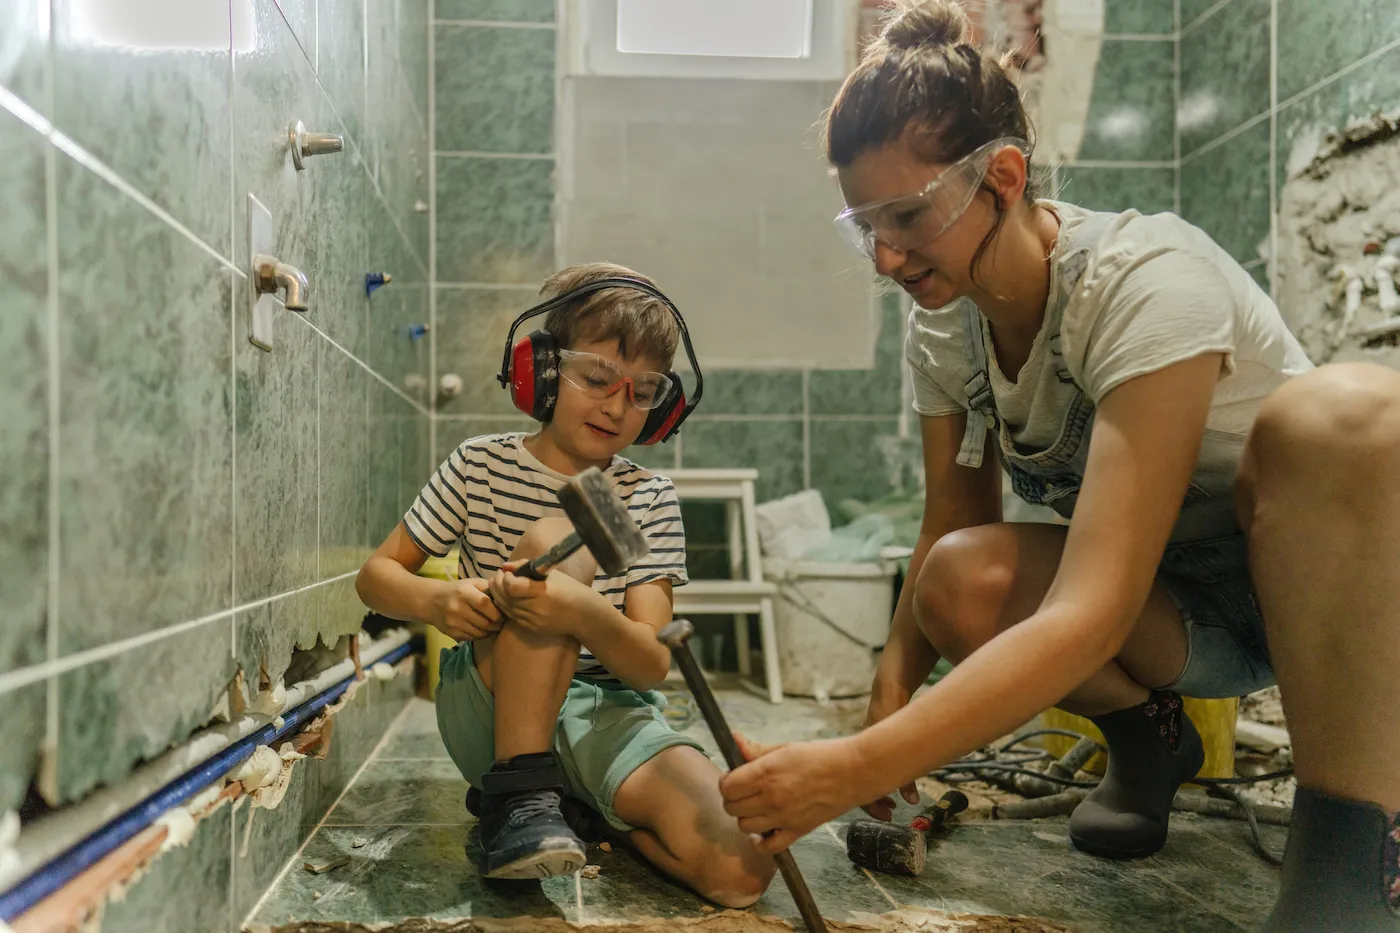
1316, 40
396, 309
144, 348
395, 143
343, 462
495, 219
22, 66
267, 635
183, 889
1130, 116
391, 446
1224, 72
1140, 17
453, 431
472, 326
495, 89
415, 32
128, 708
24, 446
301, 17
751, 392
848, 462
1260, 273
1226, 192
521, 11
340, 61
276, 440
704, 522
856, 391
773, 447
707, 562
1148, 190
156, 114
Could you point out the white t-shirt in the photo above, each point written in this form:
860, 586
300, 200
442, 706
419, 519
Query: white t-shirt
1155, 291
491, 488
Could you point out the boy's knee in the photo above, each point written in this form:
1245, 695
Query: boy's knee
736, 883
543, 535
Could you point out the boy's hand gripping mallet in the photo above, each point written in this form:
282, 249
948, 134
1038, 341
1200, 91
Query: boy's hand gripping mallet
601, 524
675, 636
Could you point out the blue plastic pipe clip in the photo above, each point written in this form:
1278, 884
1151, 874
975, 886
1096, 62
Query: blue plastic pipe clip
375, 280
417, 330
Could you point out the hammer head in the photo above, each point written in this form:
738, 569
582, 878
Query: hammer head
898, 850
602, 522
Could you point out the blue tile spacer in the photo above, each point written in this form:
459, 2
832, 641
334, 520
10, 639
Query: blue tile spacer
375, 280
417, 330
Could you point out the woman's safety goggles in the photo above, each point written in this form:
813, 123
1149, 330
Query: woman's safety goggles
599, 377
912, 221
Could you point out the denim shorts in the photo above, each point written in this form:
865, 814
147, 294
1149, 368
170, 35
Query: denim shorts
1228, 653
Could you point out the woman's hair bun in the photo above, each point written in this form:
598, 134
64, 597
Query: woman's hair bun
925, 23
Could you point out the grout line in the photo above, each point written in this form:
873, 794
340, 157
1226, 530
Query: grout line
233, 336
1106, 163
366, 367
443, 757
1220, 140
482, 154
86, 159
492, 24
806, 429
1139, 36
23, 677
1273, 146
316, 400
431, 39
296, 856
1215, 8
52, 695
1176, 110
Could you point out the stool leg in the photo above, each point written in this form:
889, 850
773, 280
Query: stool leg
769, 633
741, 643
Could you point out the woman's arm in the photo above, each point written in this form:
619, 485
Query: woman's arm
1145, 442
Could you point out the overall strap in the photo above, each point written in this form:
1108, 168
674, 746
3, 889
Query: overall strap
981, 410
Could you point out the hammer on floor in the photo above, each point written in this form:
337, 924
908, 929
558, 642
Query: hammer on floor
900, 850
601, 524
675, 636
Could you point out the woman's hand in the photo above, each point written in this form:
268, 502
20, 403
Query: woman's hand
887, 702
556, 605
463, 610
790, 790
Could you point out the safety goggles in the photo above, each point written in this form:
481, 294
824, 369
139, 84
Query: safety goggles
599, 377
911, 221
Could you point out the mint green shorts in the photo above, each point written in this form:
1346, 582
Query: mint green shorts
604, 734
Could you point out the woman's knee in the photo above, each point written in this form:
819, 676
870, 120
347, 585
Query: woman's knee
962, 586
1337, 417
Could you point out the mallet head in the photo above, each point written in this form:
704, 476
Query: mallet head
602, 522
885, 847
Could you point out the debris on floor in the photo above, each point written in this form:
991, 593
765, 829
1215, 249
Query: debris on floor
320, 868
591, 871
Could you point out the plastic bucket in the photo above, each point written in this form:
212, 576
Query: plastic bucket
438, 568
830, 619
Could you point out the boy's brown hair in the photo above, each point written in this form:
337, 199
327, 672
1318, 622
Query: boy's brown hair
638, 322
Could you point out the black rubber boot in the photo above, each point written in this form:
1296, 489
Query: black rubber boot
1152, 750
1341, 871
523, 833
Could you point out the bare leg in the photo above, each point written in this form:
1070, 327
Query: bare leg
529, 674
685, 832
1320, 499
980, 581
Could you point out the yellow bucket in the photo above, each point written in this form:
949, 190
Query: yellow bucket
1213, 719
438, 568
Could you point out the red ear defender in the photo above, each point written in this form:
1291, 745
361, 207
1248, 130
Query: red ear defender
534, 375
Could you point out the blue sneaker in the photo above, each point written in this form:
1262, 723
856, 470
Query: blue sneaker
523, 832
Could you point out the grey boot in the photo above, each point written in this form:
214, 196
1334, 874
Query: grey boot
1341, 871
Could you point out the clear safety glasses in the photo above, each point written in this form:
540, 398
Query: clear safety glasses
913, 220
599, 377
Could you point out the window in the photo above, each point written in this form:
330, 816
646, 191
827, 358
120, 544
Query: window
734, 28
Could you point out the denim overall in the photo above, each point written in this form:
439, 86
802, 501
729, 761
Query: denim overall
1205, 565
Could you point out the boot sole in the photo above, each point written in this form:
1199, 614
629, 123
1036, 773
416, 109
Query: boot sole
1113, 852
542, 863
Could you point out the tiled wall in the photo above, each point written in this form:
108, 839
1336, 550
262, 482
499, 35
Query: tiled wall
1262, 81
174, 503
494, 137
1128, 154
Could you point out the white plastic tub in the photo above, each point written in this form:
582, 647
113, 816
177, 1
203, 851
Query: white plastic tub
830, 619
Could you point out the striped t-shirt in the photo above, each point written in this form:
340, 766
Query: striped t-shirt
491, 488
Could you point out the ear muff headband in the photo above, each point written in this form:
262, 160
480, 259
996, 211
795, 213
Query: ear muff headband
662, 422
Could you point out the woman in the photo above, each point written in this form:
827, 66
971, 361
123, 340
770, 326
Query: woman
1235, 512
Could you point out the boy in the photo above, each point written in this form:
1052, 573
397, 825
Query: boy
550, 689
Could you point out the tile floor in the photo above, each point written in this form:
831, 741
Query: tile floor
402, 824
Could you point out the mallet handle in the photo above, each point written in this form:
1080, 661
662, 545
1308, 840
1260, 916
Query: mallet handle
538, 568
714, 717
